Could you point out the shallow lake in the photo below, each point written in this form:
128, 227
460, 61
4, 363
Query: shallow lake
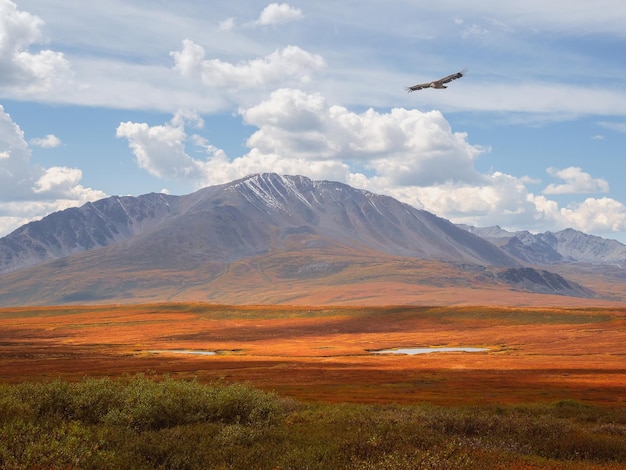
183, 351
413, 351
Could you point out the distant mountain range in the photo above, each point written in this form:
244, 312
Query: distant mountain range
275, 239
566, 246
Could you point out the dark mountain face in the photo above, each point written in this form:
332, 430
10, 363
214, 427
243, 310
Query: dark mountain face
539, 280
253, 233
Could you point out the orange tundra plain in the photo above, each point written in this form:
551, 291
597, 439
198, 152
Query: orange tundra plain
323, 353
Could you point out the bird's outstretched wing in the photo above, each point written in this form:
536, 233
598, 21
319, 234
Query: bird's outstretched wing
437, 83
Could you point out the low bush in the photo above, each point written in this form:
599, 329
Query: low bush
158, 422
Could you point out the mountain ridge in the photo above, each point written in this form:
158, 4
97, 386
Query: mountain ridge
549, 248
290, 202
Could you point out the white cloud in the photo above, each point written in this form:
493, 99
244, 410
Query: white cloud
29, 191
160, 150
276, 13
58, 180
189, 60
187, 116
499, 199
290, 64
602, 215
576, 182
24, 72
47, 142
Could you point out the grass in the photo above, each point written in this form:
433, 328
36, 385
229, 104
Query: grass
158, 422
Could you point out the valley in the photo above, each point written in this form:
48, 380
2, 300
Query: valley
325, 354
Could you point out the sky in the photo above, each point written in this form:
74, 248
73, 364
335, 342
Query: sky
127, 98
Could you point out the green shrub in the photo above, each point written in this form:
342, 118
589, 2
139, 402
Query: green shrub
151, 422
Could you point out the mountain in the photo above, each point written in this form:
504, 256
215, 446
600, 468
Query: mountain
265, 238
567, 246
75, 230
245, 218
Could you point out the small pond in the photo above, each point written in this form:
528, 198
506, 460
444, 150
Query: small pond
183, 351
413, 351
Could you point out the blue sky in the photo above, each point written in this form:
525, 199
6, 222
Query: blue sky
126, 98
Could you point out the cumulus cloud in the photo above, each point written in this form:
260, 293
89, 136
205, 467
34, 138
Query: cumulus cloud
24, 71
188, 61
288, 64
160, 150
29, 191
276, 13
47, 142
576, 182
300, 133
498, 199
58, 180
401, 147
595, 215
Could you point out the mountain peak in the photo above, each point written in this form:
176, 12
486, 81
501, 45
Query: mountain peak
273, 190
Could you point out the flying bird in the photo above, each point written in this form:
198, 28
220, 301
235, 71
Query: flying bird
437, 83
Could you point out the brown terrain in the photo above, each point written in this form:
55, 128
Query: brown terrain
535, 353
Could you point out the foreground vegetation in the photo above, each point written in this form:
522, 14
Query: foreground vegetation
158, 422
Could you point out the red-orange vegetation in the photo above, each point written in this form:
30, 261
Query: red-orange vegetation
324, 353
